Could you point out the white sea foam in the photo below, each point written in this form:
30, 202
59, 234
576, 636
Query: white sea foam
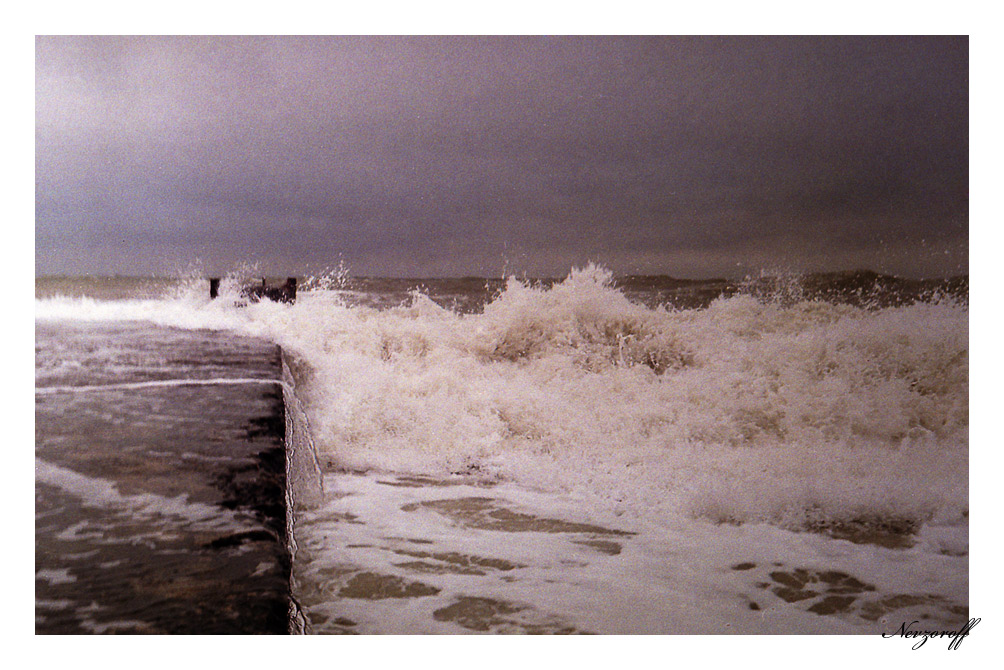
666, 576
794, 414
159, 383
100, 493
61, 576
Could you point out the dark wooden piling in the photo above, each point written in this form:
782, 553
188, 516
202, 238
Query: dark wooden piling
285, 293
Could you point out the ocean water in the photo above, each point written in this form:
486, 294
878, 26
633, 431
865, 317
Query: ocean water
606, 455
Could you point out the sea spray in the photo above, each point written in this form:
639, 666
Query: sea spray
799, 412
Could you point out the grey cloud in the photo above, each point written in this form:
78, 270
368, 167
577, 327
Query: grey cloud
383, 149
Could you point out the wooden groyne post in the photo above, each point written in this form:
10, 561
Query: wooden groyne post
284, 293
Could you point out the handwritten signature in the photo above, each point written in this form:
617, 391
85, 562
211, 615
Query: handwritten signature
957, 636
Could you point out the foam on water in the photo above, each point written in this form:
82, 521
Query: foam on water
96, 492
411, 554
802, 414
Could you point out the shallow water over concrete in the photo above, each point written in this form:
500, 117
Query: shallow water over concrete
158, 508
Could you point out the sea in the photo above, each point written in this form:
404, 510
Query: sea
785, 454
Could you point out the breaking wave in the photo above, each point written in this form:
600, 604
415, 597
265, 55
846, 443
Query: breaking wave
797, 411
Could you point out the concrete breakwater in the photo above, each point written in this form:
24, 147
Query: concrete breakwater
160, 487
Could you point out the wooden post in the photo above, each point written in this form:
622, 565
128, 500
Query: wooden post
285, 293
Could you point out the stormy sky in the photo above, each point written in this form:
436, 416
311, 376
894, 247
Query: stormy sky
442, 156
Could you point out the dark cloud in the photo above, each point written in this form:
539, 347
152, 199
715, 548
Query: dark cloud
454, 155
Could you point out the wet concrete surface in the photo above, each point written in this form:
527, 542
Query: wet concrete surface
159, 508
